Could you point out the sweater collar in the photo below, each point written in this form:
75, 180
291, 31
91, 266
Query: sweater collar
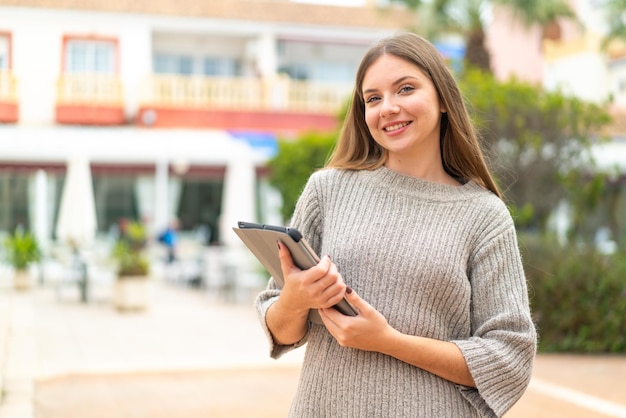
405, 184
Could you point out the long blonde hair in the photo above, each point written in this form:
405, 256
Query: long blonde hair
461, 155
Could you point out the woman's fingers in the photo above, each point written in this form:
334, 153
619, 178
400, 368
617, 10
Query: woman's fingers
322, 284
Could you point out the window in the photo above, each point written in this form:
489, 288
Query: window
13, 200
200, 207
328, 71
90, 56
295, 71
173, 64
188, 65
221, 67
115, 199
315, 61
5, 48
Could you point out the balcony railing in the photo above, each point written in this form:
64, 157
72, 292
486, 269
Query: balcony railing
8, 87
281, 93
587, 44
90, 89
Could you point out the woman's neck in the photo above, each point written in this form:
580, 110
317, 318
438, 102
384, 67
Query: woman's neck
429, 169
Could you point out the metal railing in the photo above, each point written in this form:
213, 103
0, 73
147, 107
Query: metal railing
588, 44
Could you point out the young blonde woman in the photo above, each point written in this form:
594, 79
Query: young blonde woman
416, 237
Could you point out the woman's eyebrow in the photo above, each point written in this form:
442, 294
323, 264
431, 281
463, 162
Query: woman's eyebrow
395, 83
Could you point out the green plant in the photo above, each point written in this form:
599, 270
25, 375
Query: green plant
578, 296
129, 250
311, 150
539, 145
22, 249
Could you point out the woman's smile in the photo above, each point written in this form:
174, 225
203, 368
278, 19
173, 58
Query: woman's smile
395, 127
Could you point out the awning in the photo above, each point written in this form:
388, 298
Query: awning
264, 142
124, 145
131, 145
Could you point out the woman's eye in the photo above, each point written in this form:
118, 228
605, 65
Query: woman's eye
406, 89
371, 99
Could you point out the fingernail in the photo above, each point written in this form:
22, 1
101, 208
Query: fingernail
348, 289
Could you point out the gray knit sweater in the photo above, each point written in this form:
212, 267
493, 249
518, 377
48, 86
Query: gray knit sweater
437, 261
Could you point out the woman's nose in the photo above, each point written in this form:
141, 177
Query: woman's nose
388, 107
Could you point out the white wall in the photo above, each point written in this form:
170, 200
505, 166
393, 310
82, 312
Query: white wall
583, 75
136, 62
36, 51
37, 54
515, 49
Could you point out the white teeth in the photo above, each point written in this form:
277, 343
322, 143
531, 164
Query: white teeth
397, 126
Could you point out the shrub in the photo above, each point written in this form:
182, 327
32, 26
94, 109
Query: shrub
22, 249
128, 251
578, 297
295, 162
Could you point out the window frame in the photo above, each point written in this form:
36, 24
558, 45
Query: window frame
90, 40
9, 58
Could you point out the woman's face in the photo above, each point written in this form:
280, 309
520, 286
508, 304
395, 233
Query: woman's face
402, 109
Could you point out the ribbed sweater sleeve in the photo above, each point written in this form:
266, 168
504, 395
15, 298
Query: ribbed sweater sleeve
501, 349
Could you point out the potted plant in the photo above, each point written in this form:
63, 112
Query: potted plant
132, 287
22, 249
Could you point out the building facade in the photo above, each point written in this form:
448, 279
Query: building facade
177, 105
174, 102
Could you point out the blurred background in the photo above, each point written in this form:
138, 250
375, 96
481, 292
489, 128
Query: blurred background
134, 135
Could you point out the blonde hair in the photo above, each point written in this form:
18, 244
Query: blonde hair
461, 155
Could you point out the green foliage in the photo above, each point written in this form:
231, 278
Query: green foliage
584, 193
615, 11
22, 249
540, 138
129, 251
412, 4
578, 297
540, 12
295, 162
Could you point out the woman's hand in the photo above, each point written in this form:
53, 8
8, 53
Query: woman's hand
320, 286
366, 331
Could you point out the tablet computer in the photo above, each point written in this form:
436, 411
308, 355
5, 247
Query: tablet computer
261, 241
